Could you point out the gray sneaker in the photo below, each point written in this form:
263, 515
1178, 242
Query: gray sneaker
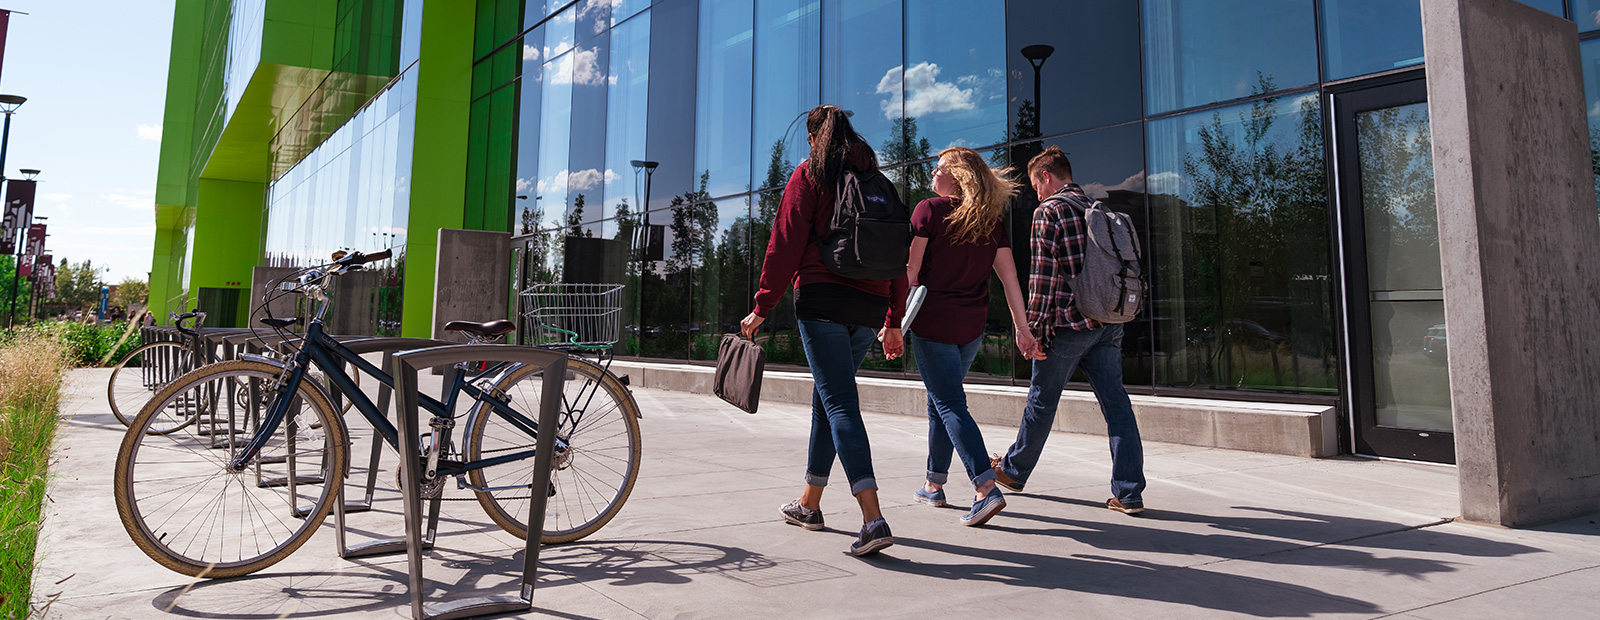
809, 519
875, 537
984, 509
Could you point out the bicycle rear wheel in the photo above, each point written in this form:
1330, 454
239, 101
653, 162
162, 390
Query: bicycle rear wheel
184, 508
140, 375
590, 480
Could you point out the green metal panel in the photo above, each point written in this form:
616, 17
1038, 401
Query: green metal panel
227, 235
439, 153
161, 274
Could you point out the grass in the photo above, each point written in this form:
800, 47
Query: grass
31, 370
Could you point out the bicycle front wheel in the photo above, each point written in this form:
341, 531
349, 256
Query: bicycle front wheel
589, 480
185, 509
140, 375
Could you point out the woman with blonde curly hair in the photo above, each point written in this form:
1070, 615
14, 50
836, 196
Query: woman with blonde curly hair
959, 238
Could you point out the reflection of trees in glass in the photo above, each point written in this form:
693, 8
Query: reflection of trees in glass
1252, 237
916, 180
1027, 127
1397, 191
1594, 157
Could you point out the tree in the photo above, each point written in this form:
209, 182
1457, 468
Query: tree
131, 292
77, 286
915, 180
24, 289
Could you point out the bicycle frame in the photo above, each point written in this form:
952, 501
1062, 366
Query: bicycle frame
328, 355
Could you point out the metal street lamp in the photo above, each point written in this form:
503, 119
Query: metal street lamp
1036, 55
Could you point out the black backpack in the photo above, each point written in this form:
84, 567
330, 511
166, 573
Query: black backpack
869, 235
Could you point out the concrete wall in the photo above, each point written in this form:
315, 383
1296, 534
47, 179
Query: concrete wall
472, 271
260, 279
1520, 243
1296, 430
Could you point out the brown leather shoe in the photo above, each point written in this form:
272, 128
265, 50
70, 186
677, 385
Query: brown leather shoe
1001, 478
1131, 508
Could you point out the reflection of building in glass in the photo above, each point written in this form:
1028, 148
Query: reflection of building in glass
1207, 122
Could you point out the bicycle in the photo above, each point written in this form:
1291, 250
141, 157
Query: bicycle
245, 504
151, 366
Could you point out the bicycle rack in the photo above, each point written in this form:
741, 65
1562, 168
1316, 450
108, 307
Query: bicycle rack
342, 506
406, 365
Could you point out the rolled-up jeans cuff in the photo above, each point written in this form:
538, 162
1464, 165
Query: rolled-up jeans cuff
987, 475
815, 480
938, 478
863, 484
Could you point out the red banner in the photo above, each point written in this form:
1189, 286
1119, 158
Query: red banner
5, 22
18, 211
34, 247
45, 274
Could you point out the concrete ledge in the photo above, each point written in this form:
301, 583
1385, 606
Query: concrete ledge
1296, 430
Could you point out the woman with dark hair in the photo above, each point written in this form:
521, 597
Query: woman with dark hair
838, 319
958, 239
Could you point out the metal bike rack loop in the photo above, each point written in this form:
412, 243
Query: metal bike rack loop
342, 505
406, 364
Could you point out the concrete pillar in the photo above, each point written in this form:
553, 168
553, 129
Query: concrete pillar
260, 279
470, 280
1520, 243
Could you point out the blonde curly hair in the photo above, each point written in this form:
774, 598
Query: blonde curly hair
981, 194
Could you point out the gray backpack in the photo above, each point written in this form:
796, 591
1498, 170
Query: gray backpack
1110, 288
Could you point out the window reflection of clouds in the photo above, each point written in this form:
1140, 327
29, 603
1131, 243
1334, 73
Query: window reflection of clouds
954, 81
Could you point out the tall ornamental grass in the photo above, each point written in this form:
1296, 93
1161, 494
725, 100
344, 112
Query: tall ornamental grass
32, 366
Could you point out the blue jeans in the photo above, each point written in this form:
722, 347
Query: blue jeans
835, 351
1100, 353
950, 425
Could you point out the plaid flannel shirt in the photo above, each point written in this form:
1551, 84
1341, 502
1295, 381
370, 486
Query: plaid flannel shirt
1057, 244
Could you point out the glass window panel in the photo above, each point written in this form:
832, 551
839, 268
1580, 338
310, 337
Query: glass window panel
533, 50
786, 56
670, 125
1368, 36
1587, 14
626, 115
1402, 222
594, 17
1411, 376
527, 197
1590, 51
586, 156
955, 82
722, 112
621, 10
555, 136
863, 68
1239, 238
561, 29
1204, 51
715, 251
783, 343
534, 11
1103, 58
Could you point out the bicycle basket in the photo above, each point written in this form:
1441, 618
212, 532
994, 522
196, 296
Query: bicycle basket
583, 314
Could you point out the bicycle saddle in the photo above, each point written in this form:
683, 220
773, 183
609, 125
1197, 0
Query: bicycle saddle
489, 328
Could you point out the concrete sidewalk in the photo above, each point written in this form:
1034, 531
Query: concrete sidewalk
1227, 534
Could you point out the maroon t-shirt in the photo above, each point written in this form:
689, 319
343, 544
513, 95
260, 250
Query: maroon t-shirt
957, 276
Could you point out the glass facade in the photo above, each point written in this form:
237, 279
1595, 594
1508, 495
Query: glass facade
652, 141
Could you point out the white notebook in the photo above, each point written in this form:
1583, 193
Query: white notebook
914, 301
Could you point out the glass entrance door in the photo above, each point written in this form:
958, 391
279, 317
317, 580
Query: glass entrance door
1396, 341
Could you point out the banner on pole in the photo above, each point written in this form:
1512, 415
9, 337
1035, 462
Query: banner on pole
45, 274
34, 247
5, 23
18, 209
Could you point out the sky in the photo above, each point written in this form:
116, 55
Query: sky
95, 75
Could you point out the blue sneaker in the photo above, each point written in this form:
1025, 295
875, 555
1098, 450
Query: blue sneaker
984, 509
935, 499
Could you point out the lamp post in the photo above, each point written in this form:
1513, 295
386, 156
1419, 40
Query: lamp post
646, 235
1036, 55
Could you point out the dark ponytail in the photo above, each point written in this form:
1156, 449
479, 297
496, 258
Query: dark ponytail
835, 147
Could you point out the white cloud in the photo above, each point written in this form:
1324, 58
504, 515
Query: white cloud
524, 184
556, 183
1134, 183
530, 52
590, 179
129, 202
149, 132
921, 92
1169, 183
56, 197
581, 67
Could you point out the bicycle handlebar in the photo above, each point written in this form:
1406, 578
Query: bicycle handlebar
199, 319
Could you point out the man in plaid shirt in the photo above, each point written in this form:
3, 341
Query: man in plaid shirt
1068, 339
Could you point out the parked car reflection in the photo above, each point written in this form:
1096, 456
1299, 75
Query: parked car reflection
1435, 345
